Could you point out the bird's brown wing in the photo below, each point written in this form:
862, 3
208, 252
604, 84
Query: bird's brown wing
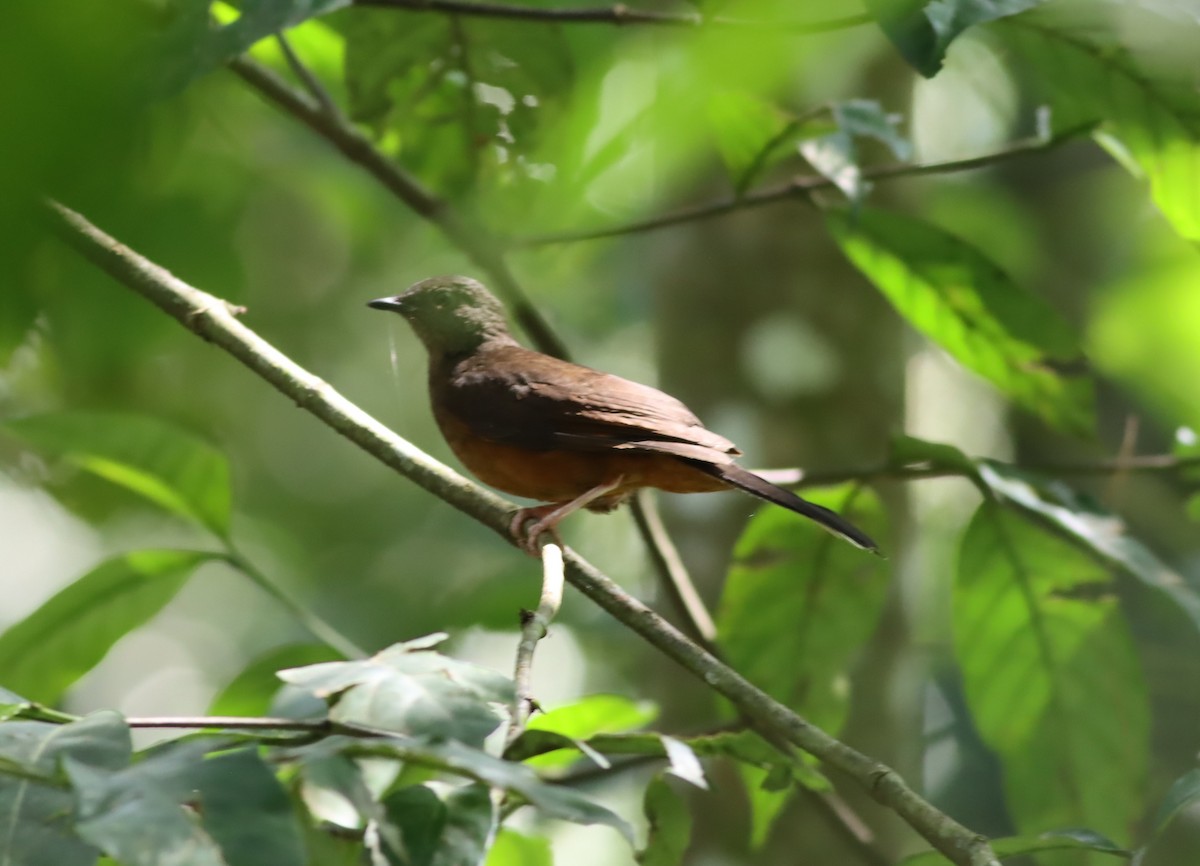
516, 396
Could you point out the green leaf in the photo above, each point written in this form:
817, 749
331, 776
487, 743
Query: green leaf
1016, 846
38, 818
455, 831
1042, 644
1098, 531
516, 849
245, 809
922, 30
1184, 792
159, 462
835, 155
910, 452
43, 654
1149, 112
194, 45
135, 814
959, 299
749, 133
670, 825
409, 689
250, 693
592, 715
456, 757
797, 605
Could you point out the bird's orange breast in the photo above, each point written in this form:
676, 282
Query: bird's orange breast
562, 475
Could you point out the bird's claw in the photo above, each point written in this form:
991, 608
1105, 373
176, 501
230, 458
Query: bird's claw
527, 537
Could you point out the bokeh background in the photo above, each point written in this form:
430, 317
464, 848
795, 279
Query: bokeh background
754, 318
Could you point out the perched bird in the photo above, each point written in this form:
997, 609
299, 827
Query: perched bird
546, 429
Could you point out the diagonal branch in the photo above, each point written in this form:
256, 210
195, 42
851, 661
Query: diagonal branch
212, 319
802, 187
618, 14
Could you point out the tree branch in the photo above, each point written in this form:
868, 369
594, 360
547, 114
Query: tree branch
212, 319
534, 625
618, 14
801, 187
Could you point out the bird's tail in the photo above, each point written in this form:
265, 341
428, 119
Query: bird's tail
834, 523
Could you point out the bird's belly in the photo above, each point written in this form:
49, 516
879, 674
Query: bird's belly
560, 475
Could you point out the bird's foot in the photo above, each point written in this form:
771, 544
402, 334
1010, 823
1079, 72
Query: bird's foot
544, 520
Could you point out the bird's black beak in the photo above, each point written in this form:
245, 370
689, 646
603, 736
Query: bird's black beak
393, 304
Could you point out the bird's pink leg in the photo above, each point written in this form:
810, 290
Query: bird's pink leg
546, 517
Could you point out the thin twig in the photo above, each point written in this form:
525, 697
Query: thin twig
308, 78
211, 318
1145, 463
802, 186
618, 14
698, 622
534, 625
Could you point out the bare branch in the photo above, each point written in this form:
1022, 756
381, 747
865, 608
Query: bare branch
801, 187
534, 625
617, 14
212, 319
308, 78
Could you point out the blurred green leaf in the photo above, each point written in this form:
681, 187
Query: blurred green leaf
963, 302
1184, 792
38, 818
516, 849
1016, 846
454, 756
250, 693
587, 717
670, 825
1042, 645
246, 810
1099, 531
922, 30
835, 155
454, 831
798, 605
17, 313
409, 689
135, 814
43, 654
196, 43
1149, 108
912, 452
749, 134
162, 463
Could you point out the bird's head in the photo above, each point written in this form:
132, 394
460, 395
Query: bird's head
450, 314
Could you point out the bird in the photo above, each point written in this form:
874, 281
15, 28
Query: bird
566, 435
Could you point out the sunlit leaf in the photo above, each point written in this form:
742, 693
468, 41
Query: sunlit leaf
43, 654
962, 301
587, 717
683, 762
1041, 643
922, 30
168, 466
1149, 111
516, 849
670, 825
1099, 531
798, 605
409, 689
748, 133
37, 818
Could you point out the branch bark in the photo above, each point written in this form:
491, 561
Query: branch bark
214, 320
534, 626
